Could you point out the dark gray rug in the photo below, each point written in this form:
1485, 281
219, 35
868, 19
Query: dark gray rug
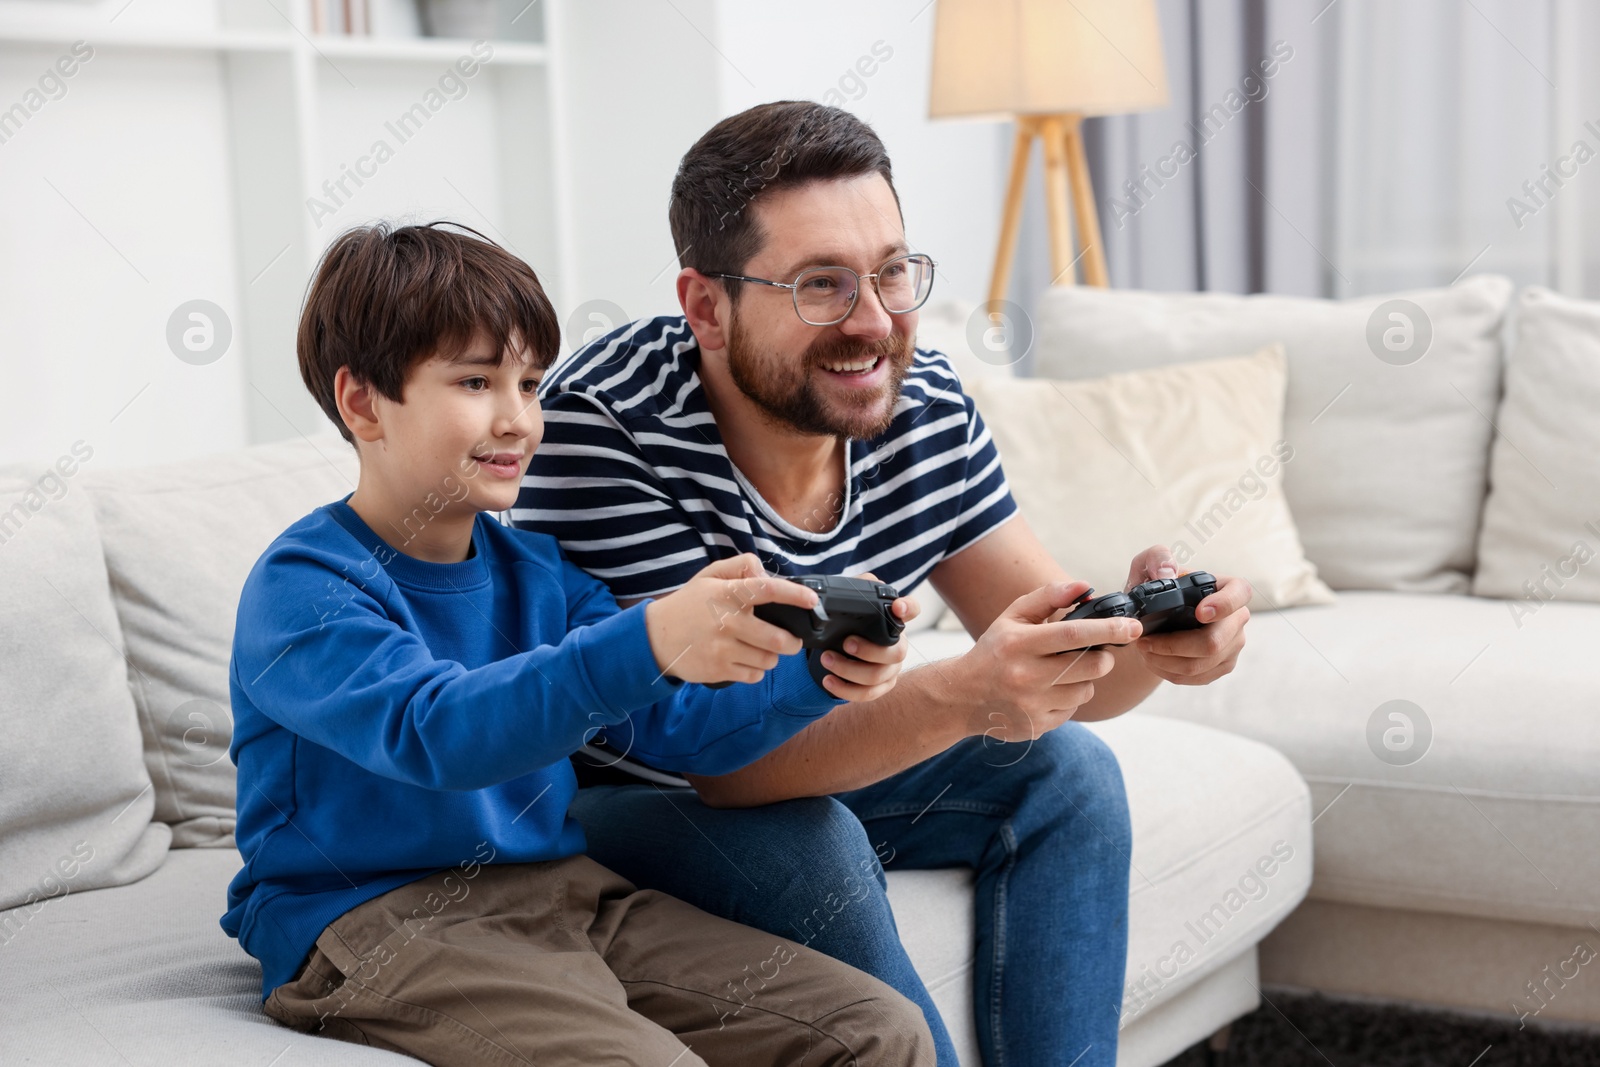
1306, 1030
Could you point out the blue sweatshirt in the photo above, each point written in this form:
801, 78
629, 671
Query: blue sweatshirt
395, 717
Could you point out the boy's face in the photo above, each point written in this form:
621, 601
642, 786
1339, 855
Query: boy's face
466, 429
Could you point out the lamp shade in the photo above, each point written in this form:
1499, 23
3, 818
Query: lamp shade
1046, 57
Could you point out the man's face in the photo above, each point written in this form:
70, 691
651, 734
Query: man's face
840, 380
467, 428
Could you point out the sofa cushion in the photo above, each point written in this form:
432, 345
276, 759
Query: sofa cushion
1221, 854
144, 974
1188, 456
933, 912
179, 541
1391, 446
1207, 810
1541, 523
1221, 850
75, 801
1479, 795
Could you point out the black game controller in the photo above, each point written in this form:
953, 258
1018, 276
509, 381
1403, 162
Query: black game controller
1167, 604
846, 607
1162, 605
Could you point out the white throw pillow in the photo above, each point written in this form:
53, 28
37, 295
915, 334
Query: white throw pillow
1391, 457
75, 801
180, 540
1190, 456
1541, 524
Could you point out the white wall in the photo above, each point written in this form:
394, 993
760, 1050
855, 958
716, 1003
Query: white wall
689, 67
113, 211
140, 146
637, 95
950, 174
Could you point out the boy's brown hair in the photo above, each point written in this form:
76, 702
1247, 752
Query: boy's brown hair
385, 299
761, 150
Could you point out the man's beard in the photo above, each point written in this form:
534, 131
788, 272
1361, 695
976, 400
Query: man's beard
787, 390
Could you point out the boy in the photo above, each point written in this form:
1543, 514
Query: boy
408, 679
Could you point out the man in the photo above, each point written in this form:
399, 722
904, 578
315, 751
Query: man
786, 413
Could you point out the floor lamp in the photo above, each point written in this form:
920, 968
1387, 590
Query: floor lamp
1048, 64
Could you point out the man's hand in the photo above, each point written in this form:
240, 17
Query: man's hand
707, 631
874, 669
1016, 686
1194, 657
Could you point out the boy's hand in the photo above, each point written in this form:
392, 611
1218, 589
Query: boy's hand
875, 668
707, 630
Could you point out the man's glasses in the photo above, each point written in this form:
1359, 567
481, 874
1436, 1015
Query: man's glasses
826, 295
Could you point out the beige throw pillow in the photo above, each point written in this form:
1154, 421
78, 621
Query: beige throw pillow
1541, 523
1191, 456
1387, 408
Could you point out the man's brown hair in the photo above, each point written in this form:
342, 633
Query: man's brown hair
385, 299
766, 148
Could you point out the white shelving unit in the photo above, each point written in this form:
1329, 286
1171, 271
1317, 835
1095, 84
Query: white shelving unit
305, 110
397, 49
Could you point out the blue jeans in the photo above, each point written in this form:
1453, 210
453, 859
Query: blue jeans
1044, 825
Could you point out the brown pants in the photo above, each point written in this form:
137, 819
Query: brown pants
564, 962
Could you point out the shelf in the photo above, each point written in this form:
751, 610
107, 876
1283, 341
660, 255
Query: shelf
441, 49
198, 41
334, 46
302, 111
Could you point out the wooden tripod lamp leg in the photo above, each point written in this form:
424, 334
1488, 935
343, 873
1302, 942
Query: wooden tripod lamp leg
1065, 167
1053, 132
1090, 247
1011, 215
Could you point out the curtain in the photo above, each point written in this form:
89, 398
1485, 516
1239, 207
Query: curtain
1338, 148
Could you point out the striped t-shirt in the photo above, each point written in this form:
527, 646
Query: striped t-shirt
633, 480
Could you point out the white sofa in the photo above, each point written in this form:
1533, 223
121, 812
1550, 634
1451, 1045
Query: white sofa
116, 795
1465, 879
1452, 498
